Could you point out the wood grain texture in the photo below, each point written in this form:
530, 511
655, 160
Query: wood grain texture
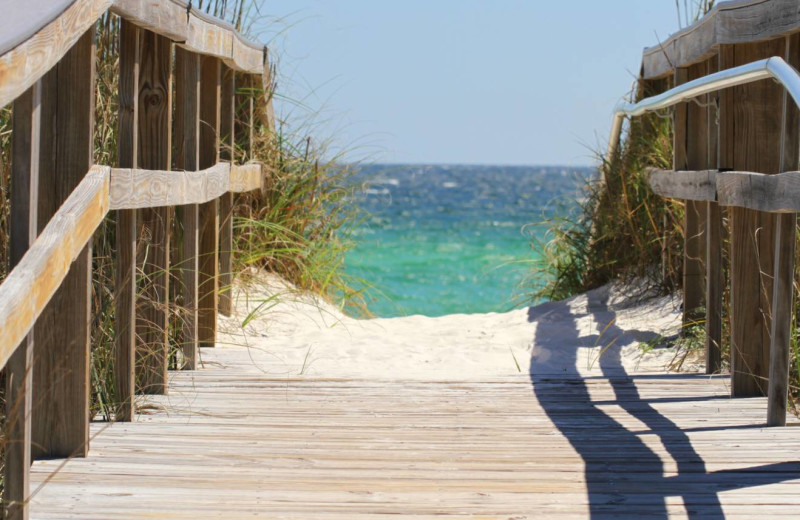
750, 141
714, 243
61, 366
165, 17
699, 185
244, 121
196, 31
32, 283
154, 152
770, 193
782, 298
187, 135
300, 447
686, 134
19, 370
246, 177
785, 258
697, 158
208, 249
226, 153
728, 23
153, 188
267, 112
24, 64
126, 228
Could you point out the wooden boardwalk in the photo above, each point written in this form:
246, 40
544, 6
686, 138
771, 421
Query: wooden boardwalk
232, 442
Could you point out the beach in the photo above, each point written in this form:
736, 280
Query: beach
598, 333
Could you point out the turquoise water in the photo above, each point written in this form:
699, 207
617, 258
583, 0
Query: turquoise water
453, 239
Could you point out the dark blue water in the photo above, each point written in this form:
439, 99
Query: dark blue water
454, 239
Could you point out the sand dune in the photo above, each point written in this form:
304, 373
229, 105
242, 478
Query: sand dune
598, 333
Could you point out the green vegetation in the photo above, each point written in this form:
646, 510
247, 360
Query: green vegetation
297, 228
623, 230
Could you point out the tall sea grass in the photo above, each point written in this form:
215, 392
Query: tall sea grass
297, 227
623, 230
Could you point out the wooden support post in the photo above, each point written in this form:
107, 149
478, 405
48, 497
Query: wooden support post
785, 245
19, 370
715, 278
749, 141
187, 135
715, 282
251, 120
208, 265
125, 272
61, 365
227, 153
704, 223
688, 127
154, 128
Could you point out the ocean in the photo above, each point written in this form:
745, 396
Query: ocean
444, 239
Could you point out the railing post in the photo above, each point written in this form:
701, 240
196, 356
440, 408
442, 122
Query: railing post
686, 133
208, 264
748, 134
154, 127
715, 277
785, 245
227, 153
702, 268
61, 366
187, 135
19, 370
125, 272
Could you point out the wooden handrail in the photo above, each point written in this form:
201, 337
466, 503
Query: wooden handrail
776, 193
136, 188
738, 21
686, 185
30, 285
21, 66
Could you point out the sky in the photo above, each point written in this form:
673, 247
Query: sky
460, 81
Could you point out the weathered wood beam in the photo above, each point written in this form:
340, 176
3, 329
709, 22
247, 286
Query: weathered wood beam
208, 250
61, 366
733, 22
715, 241
785, 258
30, 286
27, 62
21, 66
154, 152
126, 229
247, 177
778, 193
227, 153
152, 188
749, 140
195, 30
697, 185
187, 135
19, 370
686, 132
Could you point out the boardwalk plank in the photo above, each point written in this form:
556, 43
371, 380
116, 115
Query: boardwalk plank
231, 441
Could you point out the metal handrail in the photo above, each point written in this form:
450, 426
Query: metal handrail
775, 68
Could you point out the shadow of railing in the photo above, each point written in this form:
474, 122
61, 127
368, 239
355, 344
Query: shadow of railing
624, 476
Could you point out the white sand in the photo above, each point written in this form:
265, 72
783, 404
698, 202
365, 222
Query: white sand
298, 334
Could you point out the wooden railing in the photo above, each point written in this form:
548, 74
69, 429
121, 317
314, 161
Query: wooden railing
720, 137
173, 59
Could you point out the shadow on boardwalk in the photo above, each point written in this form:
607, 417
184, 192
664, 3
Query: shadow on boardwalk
624, 476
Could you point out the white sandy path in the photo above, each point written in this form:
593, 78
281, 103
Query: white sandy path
301, 335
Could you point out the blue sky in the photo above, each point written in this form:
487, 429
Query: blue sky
461, 81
